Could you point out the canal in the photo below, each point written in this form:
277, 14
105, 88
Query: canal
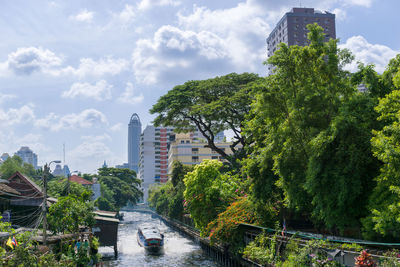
179, 250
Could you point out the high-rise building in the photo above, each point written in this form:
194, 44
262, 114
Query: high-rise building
153, 165
134, 131
190, 150
27, 155
292, 30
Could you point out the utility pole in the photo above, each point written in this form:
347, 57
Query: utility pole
45, 171
68, 184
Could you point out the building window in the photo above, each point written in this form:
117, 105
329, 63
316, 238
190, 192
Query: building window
214, 157
187, 141
182, 141
195, 159
195, 150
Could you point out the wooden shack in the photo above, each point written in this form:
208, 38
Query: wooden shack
106, 229
26, 208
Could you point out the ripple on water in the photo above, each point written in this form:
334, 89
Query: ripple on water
179, 250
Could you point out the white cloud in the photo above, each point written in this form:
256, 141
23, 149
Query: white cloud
83, 16
148, 4
127, 15
5, 97
364, 3
129, 97
27, 60
86, 119
20, 115
97, 138
89, 66
116, 127
100, 91
175, 52
90, 149
34, 141
367, 53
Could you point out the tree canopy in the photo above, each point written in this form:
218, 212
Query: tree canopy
15, 164
209, 106
118, 187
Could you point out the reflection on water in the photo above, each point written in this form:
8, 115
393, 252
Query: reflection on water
179, 250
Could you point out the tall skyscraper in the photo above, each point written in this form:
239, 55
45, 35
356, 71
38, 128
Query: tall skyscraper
134, 131
292, 30
27, 155
153, 164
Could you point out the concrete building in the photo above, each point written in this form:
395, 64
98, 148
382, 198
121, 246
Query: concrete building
190, 151
61, 171
27, 155
153, 164
292, 30
134, 131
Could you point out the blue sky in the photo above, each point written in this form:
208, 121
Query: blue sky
73, 72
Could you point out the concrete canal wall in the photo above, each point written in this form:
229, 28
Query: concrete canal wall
218, 253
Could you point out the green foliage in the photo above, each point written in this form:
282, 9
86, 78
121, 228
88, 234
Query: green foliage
391, 259
15, 164
118, 187
371, 79
167, 199
211, 106
59, 187
208, 192
263, 250
341, 168
69, 213
385, 201
293, 106
126, 175
225, 229
178, 172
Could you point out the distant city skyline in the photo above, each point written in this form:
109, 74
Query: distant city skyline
73, 72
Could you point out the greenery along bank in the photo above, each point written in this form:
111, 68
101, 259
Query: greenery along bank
307, 146
72, 211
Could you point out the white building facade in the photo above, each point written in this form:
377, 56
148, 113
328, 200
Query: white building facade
153, 160
27, 155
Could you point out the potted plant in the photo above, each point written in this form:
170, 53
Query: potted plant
364, 259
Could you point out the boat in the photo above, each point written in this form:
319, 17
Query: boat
149, 237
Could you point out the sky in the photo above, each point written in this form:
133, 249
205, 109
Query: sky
74, 72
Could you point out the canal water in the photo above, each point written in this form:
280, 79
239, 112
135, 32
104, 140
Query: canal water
179, 250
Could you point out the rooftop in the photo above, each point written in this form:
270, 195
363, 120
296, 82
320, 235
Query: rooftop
79, 180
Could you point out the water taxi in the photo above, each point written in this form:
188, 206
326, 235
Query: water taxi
149, 237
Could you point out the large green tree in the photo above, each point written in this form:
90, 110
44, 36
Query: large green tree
342, 168
293, 106
210, 106
384, 221
119, 187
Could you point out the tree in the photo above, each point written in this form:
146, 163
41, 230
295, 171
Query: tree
69, 213
210, 106
208, 192
118, 187
342, 168
178, 172
15, 164
127, 175
385, 200
60, 187
292, 107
